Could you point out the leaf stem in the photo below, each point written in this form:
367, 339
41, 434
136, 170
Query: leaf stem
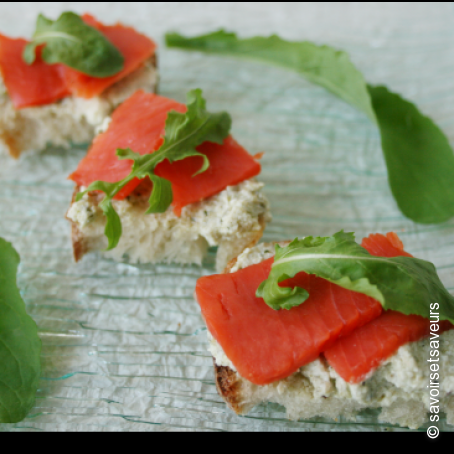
43, 37
326, 256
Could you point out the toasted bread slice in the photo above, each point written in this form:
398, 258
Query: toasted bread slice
165, 237
71, 120
398, 387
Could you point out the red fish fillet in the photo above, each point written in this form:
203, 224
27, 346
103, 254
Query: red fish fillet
32, 85
266, 345
354, 356
139, 124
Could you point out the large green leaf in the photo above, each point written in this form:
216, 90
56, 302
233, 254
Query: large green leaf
69, 40
183, 133
419, 158
322, 65
403, 284
20, 346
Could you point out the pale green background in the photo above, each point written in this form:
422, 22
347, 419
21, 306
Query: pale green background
124, 347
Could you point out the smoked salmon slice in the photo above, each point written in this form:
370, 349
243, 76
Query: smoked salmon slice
355, 356
139, 124
40, 83
33, 85
267, 345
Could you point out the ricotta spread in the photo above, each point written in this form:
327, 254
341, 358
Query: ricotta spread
217, 353
399, 386
251, 256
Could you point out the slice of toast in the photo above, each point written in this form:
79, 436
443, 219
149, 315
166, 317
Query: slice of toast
398, 387
165, 237
71, 120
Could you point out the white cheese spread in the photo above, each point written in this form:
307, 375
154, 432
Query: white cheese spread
216, 352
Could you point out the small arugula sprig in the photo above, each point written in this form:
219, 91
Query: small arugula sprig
69, 40
183, 133
404, 284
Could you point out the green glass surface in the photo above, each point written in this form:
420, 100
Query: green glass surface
124, 346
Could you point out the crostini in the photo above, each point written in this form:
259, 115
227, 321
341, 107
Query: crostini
219, 205
45, 103
338, 352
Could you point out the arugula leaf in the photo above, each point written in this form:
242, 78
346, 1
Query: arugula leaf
69, 40
20, 346
183, 133
321, 65
418, 156
405, 284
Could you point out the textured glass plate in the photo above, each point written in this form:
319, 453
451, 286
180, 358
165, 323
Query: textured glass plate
124, 347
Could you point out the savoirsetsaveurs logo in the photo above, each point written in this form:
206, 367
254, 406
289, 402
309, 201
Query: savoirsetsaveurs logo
434, 382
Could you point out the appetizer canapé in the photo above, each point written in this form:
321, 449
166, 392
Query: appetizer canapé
340, 351
45, 103
200, 180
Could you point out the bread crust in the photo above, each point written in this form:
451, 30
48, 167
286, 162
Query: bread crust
77, 239
228, 385
11, 145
